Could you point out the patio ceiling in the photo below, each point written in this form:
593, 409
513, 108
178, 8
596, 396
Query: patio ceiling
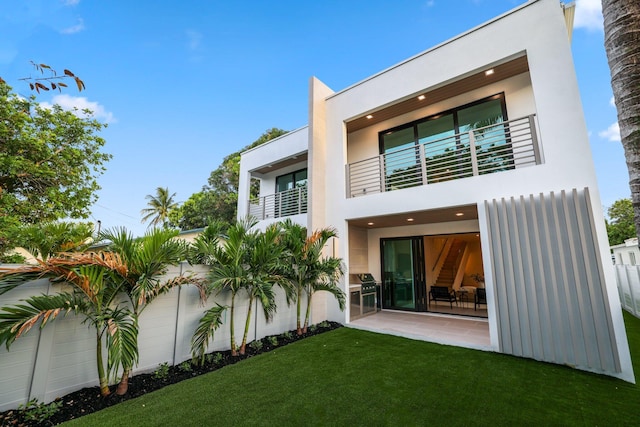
291, 160
421, 217
500, 72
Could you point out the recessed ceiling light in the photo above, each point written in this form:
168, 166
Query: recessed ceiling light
369, 223
421, 97
489, 72
409, 219
369, 116
459, 214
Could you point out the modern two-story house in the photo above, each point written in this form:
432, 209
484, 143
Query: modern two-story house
466, 168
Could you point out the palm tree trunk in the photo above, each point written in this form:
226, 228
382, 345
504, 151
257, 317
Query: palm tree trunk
298, 328
621, 42
234, 351
306, 317
102, 376
123, 385
246, 328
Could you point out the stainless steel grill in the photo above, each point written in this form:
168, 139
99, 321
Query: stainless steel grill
363, 295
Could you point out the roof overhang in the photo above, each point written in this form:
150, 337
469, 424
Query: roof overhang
474, 81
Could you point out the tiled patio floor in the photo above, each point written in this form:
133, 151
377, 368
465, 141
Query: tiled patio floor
450, 330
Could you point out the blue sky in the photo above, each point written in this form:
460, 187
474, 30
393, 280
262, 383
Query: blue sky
183, 84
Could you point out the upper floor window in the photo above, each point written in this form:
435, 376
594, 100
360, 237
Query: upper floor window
446, 140
291, 180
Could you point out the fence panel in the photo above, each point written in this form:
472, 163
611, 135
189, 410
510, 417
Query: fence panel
60, 358
628, 280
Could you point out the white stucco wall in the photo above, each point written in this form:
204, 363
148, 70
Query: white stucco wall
363, 144
284, 147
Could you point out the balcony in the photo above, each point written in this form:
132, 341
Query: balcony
483, 150
279, 205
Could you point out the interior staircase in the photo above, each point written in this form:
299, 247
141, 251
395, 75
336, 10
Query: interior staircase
448, 271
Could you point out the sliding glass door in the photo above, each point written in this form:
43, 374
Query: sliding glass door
403, 286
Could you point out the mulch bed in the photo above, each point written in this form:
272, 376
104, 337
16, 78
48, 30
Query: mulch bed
88, 400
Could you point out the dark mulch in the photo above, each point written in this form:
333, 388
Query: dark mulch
88, 400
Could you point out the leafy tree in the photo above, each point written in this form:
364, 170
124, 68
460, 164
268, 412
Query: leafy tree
219, 199
49, 163
46, 239
196, 212
93, 296
621, 29
621, 224
159, 206
307, 270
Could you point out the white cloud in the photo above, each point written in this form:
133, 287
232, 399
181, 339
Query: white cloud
588, 15
612, 102
68, 103
612, 133
74, 28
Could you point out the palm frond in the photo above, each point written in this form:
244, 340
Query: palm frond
334, 290
122, 340
17, 320
11, 278
208, 324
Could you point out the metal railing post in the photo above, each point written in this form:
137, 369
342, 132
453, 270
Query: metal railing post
263, 199
299, 201
383, 185
474, 156
534, 139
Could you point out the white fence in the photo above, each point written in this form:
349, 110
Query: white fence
60, 358
628, 280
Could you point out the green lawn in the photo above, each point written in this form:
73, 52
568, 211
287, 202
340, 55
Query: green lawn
350, 377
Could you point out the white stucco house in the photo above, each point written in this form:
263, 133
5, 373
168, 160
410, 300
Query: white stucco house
469, 159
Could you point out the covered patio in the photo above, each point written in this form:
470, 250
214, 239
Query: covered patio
442, 329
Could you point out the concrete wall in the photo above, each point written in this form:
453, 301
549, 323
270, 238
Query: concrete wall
61, 358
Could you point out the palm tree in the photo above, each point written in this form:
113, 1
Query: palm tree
261, 274
228, 273
307, 270
294, 238
246, 260
621, 29
159, 207
95, 287
45, 239
146, 260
